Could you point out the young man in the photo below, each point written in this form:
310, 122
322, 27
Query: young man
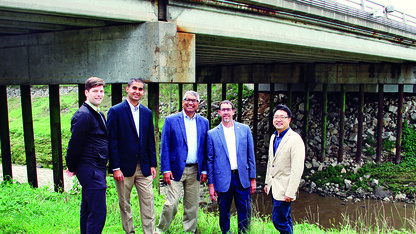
284, 168
231, 168
133, 155
87, 156
183, 162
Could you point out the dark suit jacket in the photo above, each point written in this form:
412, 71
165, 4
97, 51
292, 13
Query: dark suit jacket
219, 167
126, 147
174, 150
87, 151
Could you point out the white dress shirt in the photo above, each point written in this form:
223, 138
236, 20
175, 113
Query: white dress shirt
231, 146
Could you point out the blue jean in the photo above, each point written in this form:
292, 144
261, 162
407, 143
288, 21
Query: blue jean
242, 202
282, 218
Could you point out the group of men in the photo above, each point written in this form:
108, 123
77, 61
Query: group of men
190, 155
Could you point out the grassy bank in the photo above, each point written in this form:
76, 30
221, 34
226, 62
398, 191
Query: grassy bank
27, 210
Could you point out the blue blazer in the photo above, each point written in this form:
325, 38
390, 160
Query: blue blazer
219, 168
126, 148
174, 149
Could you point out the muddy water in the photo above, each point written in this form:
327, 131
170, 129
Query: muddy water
329, 212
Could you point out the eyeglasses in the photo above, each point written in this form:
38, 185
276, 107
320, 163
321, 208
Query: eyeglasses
190, 100
226, 109
280, 117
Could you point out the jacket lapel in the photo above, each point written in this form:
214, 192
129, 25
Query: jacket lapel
282, 143
181, 124
221, 135
130, 115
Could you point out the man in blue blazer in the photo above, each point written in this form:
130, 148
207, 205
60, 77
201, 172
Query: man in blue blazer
133, 155
183, 162
231, 168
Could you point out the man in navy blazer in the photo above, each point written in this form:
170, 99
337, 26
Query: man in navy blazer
87, 156
133, 155
183, 162
231, 168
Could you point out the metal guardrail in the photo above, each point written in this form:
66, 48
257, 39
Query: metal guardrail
365, 9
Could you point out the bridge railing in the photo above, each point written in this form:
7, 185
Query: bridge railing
366, 10
371, 6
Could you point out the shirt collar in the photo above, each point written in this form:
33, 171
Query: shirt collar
96, 108
133, 108
282, 134
187, 117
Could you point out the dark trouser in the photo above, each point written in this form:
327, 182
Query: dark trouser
242, 203
282, 218
93, 210
93, 204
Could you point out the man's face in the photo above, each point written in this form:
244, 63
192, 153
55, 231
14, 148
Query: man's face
95, 95
226, 112
190, 104
135, 91
281, 121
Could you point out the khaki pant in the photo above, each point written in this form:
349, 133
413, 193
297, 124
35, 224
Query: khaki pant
144, 189
191, 188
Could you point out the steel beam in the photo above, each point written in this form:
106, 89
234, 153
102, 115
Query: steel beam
56, 140
29, 137
6, 153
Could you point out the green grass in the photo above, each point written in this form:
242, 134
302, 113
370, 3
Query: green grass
24, 209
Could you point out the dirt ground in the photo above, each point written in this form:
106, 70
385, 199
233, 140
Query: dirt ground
45, 176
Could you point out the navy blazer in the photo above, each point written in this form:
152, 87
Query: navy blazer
87, 151
219, 167
126, 148
174, 149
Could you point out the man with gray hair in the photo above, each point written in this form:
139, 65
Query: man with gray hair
183, 162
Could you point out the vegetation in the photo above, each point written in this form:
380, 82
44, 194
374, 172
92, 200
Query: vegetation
24, 209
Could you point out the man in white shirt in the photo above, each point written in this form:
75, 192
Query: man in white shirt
231, 168
133, 155
183, 162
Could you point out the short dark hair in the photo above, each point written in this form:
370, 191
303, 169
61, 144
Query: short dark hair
136, 80
92, 82
283, 108
227, 102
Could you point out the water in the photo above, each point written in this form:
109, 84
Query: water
331, 212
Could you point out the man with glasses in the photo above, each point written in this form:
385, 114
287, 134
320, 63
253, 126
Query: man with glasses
133, 155
284, 168
183, 162
231, 168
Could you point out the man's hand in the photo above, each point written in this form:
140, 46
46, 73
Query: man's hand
153, 172
68, 173
167, 177
118, 175
265, 189
288, 199
212, 192
252, 186
203, 178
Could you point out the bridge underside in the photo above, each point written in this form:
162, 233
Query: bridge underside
56, 42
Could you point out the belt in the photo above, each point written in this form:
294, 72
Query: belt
191, 164
234, 171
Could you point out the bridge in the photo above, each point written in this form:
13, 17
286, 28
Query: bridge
304, 45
